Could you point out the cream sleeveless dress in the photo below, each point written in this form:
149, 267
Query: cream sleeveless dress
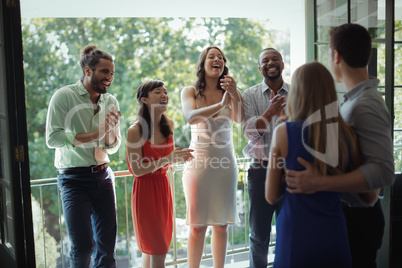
210, 179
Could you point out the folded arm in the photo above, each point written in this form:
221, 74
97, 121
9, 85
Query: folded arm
194, 115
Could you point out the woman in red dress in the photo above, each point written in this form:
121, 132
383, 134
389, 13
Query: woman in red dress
150, 150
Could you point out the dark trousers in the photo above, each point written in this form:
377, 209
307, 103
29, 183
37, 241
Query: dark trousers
89, 206
365, 229
260, 216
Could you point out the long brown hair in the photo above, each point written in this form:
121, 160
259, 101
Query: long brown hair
200, 83
313, 91
144, 116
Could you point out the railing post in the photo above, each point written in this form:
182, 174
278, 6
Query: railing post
245, 174
43, 224
171, 173
127, 228
61, 237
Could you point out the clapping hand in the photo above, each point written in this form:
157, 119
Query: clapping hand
277, 104
229, 85
180, 155
110, 123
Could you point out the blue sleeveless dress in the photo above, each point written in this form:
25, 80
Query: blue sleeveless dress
311, 228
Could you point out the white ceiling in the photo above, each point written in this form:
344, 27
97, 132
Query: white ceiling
279, 12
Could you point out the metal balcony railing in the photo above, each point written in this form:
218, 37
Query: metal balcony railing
52, 243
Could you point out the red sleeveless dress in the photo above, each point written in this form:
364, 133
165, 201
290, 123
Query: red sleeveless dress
152, 204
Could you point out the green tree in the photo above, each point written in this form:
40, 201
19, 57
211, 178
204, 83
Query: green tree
397, 98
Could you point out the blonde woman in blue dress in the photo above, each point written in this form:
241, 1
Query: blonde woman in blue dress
210, 180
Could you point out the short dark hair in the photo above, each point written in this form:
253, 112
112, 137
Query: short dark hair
90, 57
265, 49
353, 43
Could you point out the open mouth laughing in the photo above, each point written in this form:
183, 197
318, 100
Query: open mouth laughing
216, 66
105, 83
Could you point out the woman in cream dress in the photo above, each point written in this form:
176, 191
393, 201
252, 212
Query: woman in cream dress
210, 180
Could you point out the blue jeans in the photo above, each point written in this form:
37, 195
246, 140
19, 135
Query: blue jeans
89, 205
260, 216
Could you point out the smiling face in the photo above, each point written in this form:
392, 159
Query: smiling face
102, 77
214, 63
157, 99
271, 64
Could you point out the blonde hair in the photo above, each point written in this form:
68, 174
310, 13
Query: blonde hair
312, 90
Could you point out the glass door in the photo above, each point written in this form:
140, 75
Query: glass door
16, 234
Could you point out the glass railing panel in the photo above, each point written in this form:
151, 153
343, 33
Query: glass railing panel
52, 243
51, 240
